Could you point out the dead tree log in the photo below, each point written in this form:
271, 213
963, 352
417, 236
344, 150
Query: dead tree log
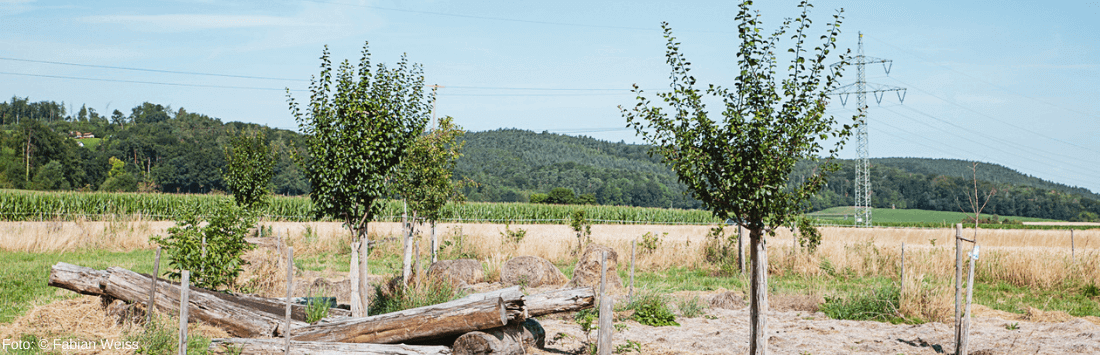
411, 325
564, 300
275, 346
210, 307
79, 279
512, 339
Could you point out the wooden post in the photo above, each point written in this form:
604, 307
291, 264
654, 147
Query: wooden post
902, 293
364, 280
185, 286
289, 293
603, 339
353, 278
958, 283
435, 244
149, 307
964, 340
1072, 253
406, 270
630, 298
740, 250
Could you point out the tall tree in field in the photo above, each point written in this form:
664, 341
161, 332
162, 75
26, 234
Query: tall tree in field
250, 164
425, 177
738, 164
357, 127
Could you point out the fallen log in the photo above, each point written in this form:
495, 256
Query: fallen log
511, 339
411, 325
565, 300
79, 279
89, 281
214, 308
277, 346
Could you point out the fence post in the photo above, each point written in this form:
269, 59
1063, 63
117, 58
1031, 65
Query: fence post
902, 271
289, 292
964, 340
185, 287
153, 290
740, 250
958, 284
630, 298
603, 341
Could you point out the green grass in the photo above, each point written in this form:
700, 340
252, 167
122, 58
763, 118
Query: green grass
926, 219
24, 275
1005, 297
91, 143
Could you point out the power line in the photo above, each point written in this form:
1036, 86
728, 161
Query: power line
534, 89
147, 70
147, 82
983, 81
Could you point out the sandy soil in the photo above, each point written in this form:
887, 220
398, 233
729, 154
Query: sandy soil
805, 333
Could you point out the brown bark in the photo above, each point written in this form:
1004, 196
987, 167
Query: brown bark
275, 346
79, 279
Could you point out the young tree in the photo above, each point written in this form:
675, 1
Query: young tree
357, 129
738, 165
250, 164
425, 178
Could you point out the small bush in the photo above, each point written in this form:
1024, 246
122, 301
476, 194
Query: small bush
650, 242
1091, 291
316, 309
652, 309
161, 336
879, 305
587, 318
691, 307
512, 236
211, 252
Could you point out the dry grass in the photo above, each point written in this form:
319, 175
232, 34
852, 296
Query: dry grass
64, 236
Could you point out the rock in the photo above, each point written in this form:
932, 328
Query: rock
468, 271
727, 300
587, 272
531, 271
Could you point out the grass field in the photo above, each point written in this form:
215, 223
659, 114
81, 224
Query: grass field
91, 143
887, 216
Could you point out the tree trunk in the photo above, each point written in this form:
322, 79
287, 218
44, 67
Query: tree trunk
406, 270
225, 311
758, 340
411, 325
353, 278
83, 280
512, 339
364, 284
566, 300
275, 346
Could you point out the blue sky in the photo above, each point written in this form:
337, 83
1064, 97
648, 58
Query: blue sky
1006, 82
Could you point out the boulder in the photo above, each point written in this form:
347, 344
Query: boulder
531, 271
461, 271
587, 272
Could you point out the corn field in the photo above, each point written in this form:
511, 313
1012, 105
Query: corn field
39, 206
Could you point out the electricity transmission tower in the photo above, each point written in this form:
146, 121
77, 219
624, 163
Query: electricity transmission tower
863, 180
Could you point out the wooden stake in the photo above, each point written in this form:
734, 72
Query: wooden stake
1072, 253
958, 283
149, 307
902, 270
603, 339
964, 340
435, 244
289, 292
364, 280
185, 286
406, 269
630, 298
353, 278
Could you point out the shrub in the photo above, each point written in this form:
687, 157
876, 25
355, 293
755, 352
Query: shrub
316, 309
161, 336
512, 236
718, 249
878, 304
424, 291
650, 242
211, 252
652, 309
691, 307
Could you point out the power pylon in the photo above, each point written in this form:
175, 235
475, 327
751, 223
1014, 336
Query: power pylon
863, 180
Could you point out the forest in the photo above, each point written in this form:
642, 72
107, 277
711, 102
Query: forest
161, 149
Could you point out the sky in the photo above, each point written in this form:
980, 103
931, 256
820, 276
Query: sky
1005, 82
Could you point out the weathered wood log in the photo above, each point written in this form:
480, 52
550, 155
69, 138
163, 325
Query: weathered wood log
79, 279
218, 309
410, 325
564, 300
511, 339
89, 281
275, 346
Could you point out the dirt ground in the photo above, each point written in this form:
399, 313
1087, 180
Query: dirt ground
726, 331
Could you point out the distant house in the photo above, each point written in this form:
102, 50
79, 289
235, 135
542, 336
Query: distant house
79, 135
88, 135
